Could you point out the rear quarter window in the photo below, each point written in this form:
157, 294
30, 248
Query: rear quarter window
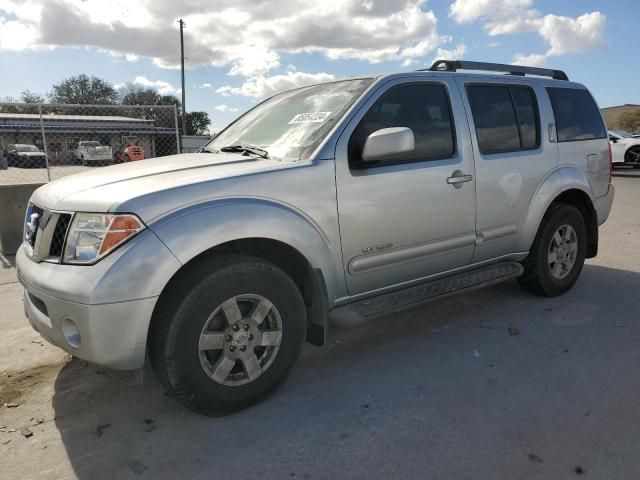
576, 114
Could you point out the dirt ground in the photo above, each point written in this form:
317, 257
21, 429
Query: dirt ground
494, 384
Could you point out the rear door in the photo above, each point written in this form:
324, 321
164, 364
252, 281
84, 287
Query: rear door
509, 123
413, 215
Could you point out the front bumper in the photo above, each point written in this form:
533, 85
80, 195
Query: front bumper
603, 205
97, 157
99, 313
110, 334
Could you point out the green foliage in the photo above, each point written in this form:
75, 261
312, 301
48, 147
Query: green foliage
83, 89
29, 97
197, 123
630, 121
135, 95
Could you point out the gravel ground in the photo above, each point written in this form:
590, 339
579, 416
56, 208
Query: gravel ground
494, 384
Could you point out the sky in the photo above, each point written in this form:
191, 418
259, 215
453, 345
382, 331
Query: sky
241, 51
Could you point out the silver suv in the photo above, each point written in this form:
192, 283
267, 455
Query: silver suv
375, 193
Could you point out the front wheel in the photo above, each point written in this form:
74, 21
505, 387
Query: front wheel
632, 157
229, 334
558, 252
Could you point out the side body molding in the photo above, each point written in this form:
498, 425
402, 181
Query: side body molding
566, 177
196, 229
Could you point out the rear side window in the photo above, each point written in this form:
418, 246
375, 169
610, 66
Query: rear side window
505, 116
424, 108
577, 115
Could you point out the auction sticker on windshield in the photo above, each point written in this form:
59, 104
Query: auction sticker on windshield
310, 117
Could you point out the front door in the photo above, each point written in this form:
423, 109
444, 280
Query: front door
412, 215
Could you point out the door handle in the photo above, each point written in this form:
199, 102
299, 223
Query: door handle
458, 178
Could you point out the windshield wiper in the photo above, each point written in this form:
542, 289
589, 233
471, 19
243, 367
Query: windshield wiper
246, 148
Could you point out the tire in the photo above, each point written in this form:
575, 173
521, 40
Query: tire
632, 157
553, 279
216, 381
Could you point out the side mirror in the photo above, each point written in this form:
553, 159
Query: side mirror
388, 142
614, 140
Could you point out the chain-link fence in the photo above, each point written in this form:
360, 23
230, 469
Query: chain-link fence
42, 142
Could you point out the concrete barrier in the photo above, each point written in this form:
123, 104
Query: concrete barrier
13, 205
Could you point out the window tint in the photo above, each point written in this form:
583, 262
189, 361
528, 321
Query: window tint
424, 108
505, 117
525, 102
577, 116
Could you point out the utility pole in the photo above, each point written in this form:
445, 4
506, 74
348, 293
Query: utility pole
184, 107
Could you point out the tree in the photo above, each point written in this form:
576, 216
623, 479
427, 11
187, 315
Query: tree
29, 97
83, 89
197, 123
630, 121
135, 95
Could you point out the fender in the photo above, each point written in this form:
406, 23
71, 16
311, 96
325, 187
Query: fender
565, 177
198, 228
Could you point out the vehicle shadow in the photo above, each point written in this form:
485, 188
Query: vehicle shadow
481, 383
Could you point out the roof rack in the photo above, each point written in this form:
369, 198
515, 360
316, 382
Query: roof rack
453, 65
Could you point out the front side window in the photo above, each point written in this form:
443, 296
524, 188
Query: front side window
424, 108
577, 115
505, 116
292, 125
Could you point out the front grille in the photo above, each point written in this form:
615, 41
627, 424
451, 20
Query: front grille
59, 234
30, 235
45, 233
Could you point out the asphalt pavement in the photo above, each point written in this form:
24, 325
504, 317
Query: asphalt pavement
495, 384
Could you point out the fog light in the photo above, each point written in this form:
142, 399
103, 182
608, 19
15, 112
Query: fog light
71, 332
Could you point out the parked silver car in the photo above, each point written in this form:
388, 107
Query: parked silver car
374, 193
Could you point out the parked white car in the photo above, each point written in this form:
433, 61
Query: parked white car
92, 151
625, 148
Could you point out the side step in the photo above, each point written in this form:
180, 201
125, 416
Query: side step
461, 282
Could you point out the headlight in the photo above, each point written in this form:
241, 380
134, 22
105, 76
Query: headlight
92, 236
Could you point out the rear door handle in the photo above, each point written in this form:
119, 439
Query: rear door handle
458, 178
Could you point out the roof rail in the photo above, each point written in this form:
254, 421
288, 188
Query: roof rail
453, 65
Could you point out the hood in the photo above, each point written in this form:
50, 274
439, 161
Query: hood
104, 189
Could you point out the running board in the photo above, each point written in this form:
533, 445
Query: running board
461, 282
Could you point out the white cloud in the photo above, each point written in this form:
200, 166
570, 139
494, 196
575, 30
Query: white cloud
206, 85
563, 35
163, 88
225, 108
247, 36
262, 86
455, 54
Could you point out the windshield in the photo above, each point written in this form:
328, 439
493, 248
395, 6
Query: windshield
292, 125
89, 144
27, 148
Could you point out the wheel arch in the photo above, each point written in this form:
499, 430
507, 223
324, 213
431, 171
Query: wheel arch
570, 186
634, 146
264, 229
309, 280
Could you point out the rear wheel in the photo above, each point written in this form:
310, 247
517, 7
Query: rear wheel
558, 252
229, 334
